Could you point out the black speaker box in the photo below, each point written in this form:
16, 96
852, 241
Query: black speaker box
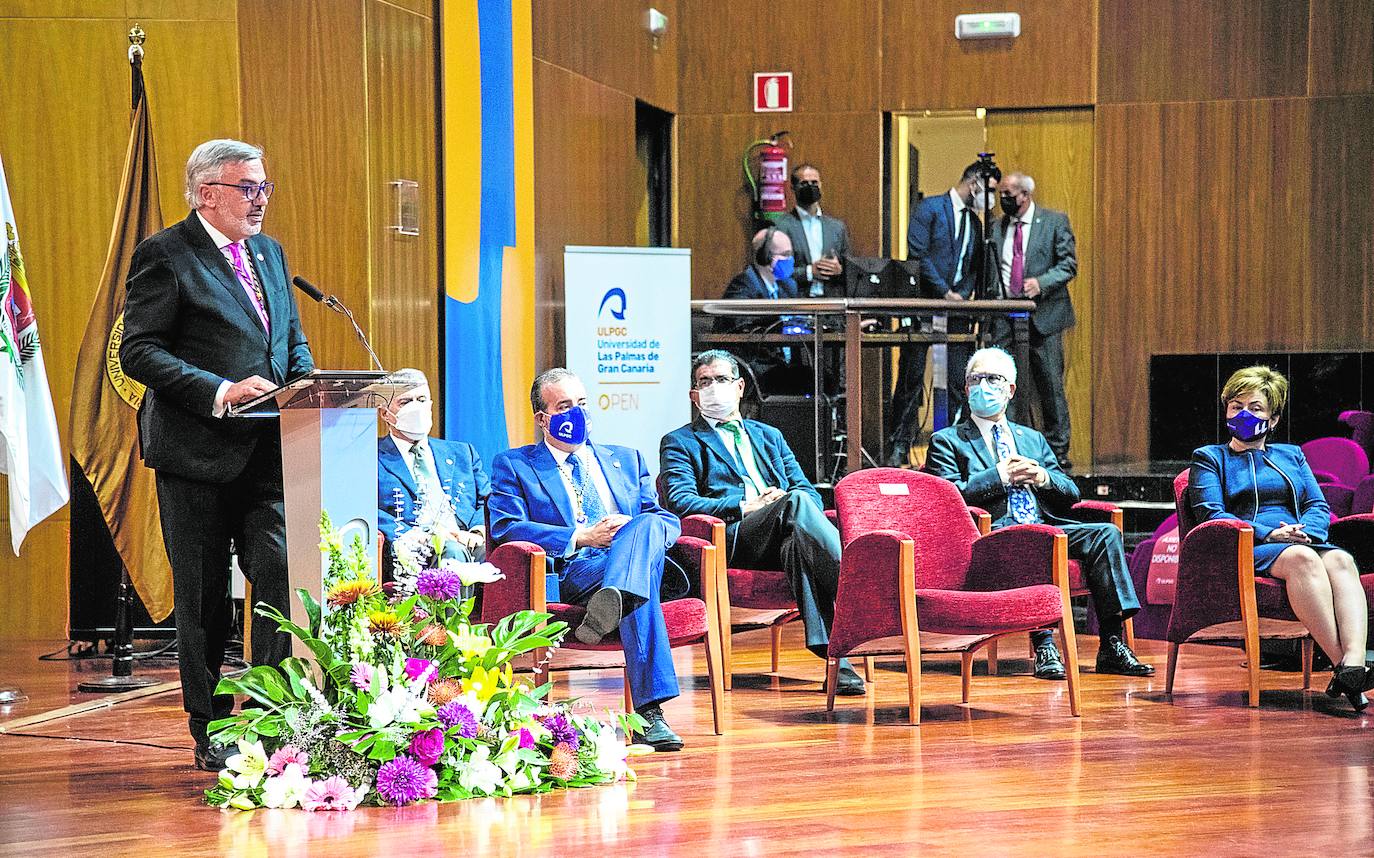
795, 417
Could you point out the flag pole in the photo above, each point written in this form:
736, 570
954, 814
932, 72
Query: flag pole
121, 676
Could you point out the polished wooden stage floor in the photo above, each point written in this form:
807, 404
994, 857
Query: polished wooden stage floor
1009, 774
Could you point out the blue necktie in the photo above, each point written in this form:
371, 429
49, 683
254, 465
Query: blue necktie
1020, 499
587, 495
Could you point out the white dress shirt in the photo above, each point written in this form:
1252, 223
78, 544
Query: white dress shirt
592, 466
959, 208
815, 239
1026, 219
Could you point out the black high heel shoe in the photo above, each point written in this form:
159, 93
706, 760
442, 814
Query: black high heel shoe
1350, 680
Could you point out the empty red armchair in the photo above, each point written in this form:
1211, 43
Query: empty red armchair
690, 621
1342, 458
747, 597
1361, 425
913, 552
1218, 598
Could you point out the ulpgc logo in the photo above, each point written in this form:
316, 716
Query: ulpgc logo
616, 299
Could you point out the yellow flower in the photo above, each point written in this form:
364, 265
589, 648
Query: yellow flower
485, 682
471, 644
347, 592
385, 623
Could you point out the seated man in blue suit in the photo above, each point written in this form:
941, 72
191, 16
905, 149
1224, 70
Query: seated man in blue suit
427, 480
743, 472
1010, 471
594, 511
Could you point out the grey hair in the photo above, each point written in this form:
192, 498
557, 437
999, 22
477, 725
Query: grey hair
994, 355
709, 357
206, 163
1026, 182
543, 380
410, 378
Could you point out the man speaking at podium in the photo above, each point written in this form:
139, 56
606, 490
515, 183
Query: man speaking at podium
210, 322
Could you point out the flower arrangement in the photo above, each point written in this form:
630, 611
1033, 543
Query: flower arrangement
405, 700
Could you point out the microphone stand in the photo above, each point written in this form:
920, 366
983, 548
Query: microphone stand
337, 306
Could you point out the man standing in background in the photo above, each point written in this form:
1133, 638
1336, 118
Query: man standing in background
1038, 261
819, 242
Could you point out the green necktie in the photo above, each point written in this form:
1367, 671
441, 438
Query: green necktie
737, 432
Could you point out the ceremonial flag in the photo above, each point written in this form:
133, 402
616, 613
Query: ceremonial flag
104, 418
31, 454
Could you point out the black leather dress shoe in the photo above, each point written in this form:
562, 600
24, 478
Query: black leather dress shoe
657, 734
213, 758
605, 610
1048, 664
1352, 681
849, 683
1115, 657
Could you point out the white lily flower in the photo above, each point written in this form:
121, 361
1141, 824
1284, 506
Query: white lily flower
248, 767
286, 789
472, 573
479, 774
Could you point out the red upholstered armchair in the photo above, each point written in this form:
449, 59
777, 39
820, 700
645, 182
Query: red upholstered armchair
1218, 598
1343, 459
690, 620
912, 550
1361, 425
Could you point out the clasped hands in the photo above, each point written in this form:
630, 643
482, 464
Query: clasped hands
1292, 533
771, 495
599, 535
826, 267
1025, 471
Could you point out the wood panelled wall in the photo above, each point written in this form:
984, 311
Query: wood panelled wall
592, 61
1235, 149
66, 105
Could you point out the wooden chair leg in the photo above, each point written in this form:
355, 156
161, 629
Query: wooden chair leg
1128, 632
965, 674
629, 697
1170, 669
992, 658
1069, 644
832, 676
1307, 664
868, 668
776, 635
727, 656
715, 674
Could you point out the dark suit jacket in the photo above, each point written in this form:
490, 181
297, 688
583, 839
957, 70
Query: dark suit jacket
700, 475
188, 326
958, 454
932, 238
834, 237
529, 503
749, 284
1050, 257
459, 470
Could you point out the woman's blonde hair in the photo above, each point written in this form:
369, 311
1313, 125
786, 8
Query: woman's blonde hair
1260, 379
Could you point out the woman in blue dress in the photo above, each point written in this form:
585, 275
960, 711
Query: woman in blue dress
1271, 488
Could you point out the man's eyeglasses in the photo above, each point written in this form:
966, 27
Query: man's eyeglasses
250, 192
707, 380
992, 378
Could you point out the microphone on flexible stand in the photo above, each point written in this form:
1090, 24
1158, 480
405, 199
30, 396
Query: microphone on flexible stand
333, 303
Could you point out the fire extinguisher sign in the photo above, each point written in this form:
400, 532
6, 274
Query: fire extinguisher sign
772, 92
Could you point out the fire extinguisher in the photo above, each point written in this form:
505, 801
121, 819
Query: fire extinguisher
769, 188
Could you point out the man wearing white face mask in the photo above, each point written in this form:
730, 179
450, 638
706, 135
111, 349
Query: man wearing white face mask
743, 472
1010, 471
420, 478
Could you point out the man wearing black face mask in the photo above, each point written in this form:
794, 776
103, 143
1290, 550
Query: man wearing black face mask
1038, 262
819, 241
594, 511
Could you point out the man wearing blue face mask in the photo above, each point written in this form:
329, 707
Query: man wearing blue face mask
427, 481
594, 511
769, 275
1010, 470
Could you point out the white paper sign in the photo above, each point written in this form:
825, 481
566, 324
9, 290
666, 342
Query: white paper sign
627, 325
893, 489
